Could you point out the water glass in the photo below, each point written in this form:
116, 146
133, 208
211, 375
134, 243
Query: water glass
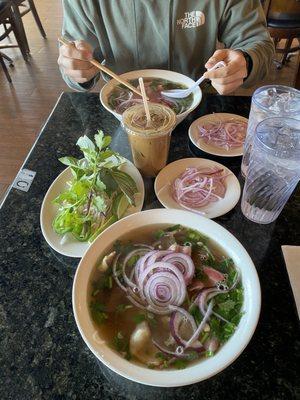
274, 169
268, 101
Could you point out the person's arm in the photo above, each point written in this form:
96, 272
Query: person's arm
75, 68
243, 31
243, 27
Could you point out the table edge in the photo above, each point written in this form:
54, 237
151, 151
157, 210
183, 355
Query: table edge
32, 147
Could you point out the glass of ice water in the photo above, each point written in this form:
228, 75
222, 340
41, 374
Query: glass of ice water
274, 169
268, 101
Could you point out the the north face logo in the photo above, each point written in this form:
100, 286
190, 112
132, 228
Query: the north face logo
191, 19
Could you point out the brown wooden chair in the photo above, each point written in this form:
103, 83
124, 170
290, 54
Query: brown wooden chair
26, 6
14, 23
283, 20
7, 17
4, 67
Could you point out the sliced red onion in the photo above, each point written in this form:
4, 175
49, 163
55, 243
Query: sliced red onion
148, 259
135, 302
141, 264
159, 267
122, 106
137, 252
226, 135
209, 293
201, 326
196, 188
158, 256
124, 95
162, 284
184, 263
202, 298
180, 315
185, 314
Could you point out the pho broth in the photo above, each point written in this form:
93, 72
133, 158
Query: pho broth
120, 321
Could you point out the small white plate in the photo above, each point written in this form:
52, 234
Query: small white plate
165, 178
210, 148
73, 247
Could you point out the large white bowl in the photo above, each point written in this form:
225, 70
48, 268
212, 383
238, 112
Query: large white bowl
152, 73
203, 369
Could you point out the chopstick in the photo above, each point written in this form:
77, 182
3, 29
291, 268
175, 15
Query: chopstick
105, 69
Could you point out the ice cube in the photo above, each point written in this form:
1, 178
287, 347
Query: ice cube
272, 92
280, 101
267, 101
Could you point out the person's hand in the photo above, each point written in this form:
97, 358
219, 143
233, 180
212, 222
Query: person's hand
73, 59
226, 79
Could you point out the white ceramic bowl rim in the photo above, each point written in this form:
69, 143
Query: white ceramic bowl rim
203, 369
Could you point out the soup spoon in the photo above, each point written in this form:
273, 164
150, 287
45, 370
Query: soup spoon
181, 93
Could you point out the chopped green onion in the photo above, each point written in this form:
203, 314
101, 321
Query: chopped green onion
159, 234
138, 318
180, 364
123, 307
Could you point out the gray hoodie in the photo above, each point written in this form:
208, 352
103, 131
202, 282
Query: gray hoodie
179, 35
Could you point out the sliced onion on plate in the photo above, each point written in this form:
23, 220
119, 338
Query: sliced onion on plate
227, 135
196, 188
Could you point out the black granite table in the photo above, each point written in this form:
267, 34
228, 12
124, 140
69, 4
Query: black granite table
42, 355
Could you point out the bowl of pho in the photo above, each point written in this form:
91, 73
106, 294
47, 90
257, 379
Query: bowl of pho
166, 298
117, 98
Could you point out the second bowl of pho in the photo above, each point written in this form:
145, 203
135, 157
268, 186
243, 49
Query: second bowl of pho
166, 298
116, 98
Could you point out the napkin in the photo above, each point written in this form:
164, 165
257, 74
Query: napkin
291, 256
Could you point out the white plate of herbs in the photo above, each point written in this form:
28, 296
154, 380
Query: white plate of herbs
89, 195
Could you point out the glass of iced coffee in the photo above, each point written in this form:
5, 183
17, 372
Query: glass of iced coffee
149, 140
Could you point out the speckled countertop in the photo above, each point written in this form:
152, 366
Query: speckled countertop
42, 355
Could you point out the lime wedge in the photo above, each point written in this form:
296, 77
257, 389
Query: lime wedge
122, 206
